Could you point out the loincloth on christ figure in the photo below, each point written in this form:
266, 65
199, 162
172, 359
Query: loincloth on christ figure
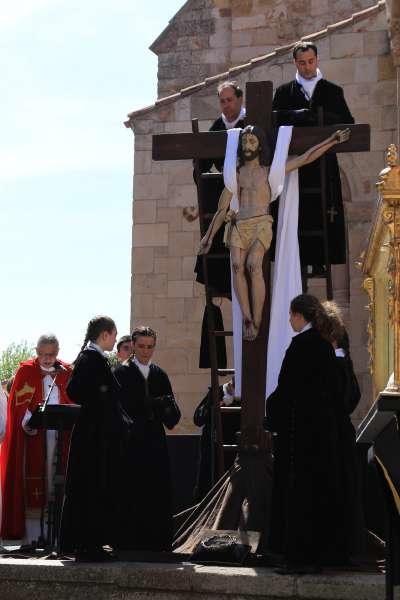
242, 233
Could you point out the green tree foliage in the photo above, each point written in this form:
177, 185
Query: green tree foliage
12, 356
112, 359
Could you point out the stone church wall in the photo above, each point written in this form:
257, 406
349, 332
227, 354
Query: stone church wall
164, 294
208, 36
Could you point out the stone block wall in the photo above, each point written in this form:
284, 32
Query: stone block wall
208, 37
164, 294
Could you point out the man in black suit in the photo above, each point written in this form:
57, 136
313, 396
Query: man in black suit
297, 103
230, 97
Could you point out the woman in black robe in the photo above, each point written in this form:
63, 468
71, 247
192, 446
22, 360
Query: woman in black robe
93, 477
147, 398
307, 504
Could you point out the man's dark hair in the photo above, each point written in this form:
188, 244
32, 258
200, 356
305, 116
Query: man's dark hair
123, 340
231, 84
143, 331
265, 145
303, 47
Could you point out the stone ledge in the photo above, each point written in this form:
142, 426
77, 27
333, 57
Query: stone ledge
40, 579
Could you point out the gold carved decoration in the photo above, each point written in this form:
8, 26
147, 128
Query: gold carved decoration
392, 157
369, 287
381, 269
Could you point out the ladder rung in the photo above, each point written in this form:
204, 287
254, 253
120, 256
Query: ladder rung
316, 276
225, 372
230, 447
210, 175
221, 333
230, 409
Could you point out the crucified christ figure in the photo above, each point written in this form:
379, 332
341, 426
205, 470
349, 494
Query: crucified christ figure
248, 233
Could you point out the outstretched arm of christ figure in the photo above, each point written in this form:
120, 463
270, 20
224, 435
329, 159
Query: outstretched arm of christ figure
340, 136
217, 220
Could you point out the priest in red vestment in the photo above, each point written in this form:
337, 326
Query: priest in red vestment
27, 455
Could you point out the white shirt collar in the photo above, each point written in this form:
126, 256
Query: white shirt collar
144, 369
308, 85
340, 352
232, 124
306, 327
48, 369
92, 346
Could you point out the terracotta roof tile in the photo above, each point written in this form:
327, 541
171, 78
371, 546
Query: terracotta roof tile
340, 24
192, 88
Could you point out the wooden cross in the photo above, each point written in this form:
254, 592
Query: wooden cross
212, 145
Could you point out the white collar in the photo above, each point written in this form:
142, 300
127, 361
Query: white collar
92, 346
232, 124
144, 369
340, 352
308, 85
48, 369
306, 327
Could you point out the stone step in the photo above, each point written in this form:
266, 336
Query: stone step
38, 579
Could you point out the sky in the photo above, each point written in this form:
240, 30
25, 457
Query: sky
71, 70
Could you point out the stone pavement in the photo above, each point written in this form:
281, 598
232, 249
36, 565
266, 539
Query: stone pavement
38, 579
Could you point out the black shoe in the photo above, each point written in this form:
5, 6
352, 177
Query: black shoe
95, 555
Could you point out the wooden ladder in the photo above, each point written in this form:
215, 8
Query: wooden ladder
219, 447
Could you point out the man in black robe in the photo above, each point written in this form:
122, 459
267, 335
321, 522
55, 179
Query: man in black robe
297, 103
230, 97
147, 397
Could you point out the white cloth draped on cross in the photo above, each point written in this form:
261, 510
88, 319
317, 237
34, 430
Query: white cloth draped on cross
287, 276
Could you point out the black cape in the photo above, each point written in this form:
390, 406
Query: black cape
205, 355
308, 507
289, 98
93, 477
147, 500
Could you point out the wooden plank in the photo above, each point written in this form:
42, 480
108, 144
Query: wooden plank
177, 146
212, 144
306, 137
259, 104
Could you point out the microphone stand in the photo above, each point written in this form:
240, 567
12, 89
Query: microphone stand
50, 508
